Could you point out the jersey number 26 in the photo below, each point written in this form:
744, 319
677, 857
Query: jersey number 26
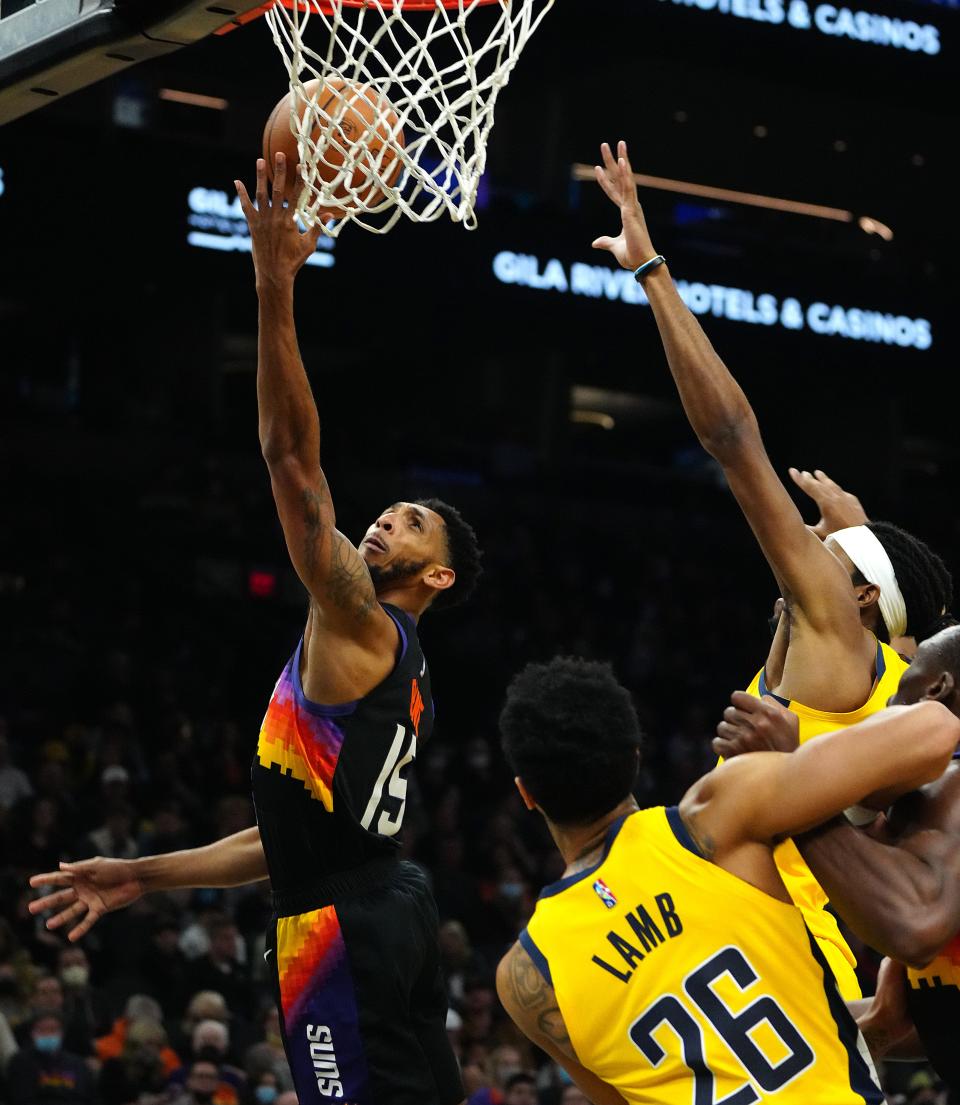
733, 1029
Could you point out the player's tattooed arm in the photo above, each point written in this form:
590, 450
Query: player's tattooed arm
331, 559
532, 1004
530, 1001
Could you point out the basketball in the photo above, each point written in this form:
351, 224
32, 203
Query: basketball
356, 110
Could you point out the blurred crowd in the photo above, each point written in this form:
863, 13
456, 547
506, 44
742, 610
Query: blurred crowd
138, 667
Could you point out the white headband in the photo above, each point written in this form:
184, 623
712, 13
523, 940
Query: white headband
870, 557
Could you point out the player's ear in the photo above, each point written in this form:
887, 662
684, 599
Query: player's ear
439, 577
524, 794
868, 594
942, 688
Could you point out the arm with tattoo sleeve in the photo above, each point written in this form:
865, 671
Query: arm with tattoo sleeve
327, 563
532, 1005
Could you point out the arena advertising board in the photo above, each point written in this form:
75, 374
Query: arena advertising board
214, 222
911, 33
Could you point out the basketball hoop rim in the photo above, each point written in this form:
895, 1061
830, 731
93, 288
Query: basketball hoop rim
408, 5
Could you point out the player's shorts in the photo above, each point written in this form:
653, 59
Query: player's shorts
362, 1000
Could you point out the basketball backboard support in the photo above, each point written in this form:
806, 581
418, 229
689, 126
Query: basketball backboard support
50, 48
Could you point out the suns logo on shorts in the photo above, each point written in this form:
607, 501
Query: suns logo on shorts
605, 894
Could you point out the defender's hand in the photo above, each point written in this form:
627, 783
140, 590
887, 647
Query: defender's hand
838, 508
279, 248
756, 725
91, 889
632, 246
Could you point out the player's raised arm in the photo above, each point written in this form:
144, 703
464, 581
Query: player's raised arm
767, 796
327, 563
726, 426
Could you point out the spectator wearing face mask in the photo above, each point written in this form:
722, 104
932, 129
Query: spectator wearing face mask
84, 1006
42, 1073
264, 1090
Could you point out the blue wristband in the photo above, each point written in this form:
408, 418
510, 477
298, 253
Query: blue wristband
648, 266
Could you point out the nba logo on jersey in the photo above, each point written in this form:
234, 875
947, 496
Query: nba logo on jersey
605, 894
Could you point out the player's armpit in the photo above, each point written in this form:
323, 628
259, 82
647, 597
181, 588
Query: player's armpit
767, 796
532, 1005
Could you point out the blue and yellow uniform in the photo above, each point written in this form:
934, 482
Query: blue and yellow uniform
803, 887
679, 982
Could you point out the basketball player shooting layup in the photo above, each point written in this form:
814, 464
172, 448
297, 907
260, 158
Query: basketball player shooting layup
353, 947
845, 598
669, 963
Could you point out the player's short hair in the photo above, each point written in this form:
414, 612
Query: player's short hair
923, 578
463, 553
571, 733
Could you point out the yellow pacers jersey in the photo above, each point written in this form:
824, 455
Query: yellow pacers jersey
803, 887
680, 984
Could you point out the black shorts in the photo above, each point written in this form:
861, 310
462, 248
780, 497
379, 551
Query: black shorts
362, 1000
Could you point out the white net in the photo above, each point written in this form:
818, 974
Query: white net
393, 102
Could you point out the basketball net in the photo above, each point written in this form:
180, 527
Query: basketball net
440, 69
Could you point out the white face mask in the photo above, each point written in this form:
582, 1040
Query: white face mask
76, 976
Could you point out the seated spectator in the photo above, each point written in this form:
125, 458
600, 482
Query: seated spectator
164, 970
222, 971
17, 975
205, 1005
42, 1073
520, 1089
14, 783
504, 1065
114, 838
139, 1068
289, 1097
264, 1090
46, 996
211, 1041
262, 1059
573, 1095
458, 959
84, 1006
203, 1086
139, 1008
8, 1044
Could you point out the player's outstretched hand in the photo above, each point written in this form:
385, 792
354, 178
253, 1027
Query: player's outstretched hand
756, 725
632, 246
280, 249
83, 892
838, 508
